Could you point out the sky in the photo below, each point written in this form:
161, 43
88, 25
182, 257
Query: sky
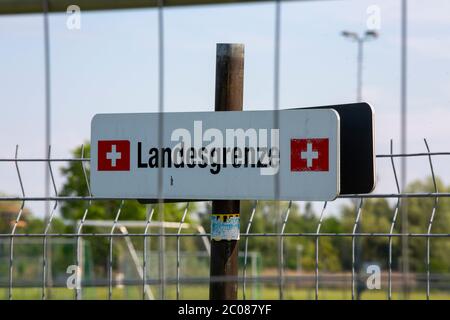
110, 65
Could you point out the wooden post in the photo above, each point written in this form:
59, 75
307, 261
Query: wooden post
229, 97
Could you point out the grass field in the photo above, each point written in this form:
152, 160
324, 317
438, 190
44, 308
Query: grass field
201, 292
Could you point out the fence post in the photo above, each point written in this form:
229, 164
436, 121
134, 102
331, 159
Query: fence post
229, 97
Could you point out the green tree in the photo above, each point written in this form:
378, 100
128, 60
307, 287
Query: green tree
419, 212
376, 217
266, 221
28, 248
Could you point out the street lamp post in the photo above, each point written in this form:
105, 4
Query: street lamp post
299, 258
353, 36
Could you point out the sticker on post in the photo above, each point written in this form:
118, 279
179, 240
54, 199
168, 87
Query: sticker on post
225, 226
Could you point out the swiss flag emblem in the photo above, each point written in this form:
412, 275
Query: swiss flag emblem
309, 155
113, 155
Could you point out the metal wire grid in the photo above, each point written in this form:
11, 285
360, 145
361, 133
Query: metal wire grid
244, 279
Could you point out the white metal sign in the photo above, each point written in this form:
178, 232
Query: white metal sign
217, 155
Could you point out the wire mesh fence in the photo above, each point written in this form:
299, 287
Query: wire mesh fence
147, 260
150, 262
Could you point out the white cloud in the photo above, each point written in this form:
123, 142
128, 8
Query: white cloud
432, 47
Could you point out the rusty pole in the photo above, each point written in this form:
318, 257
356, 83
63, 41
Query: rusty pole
229, 97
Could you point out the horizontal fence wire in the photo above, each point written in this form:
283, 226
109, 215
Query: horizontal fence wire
118, 229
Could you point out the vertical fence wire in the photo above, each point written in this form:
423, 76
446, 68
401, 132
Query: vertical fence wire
45, 265
186, 209
430, 223
47, 67
162, 243
394, 220
247, 231
110, 260
319, 225
47, 236
355, 227
13, 230
79, 266
47, 75
276, 71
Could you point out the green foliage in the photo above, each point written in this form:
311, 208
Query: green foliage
376, 217
419, 212
76, 184
265, 220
